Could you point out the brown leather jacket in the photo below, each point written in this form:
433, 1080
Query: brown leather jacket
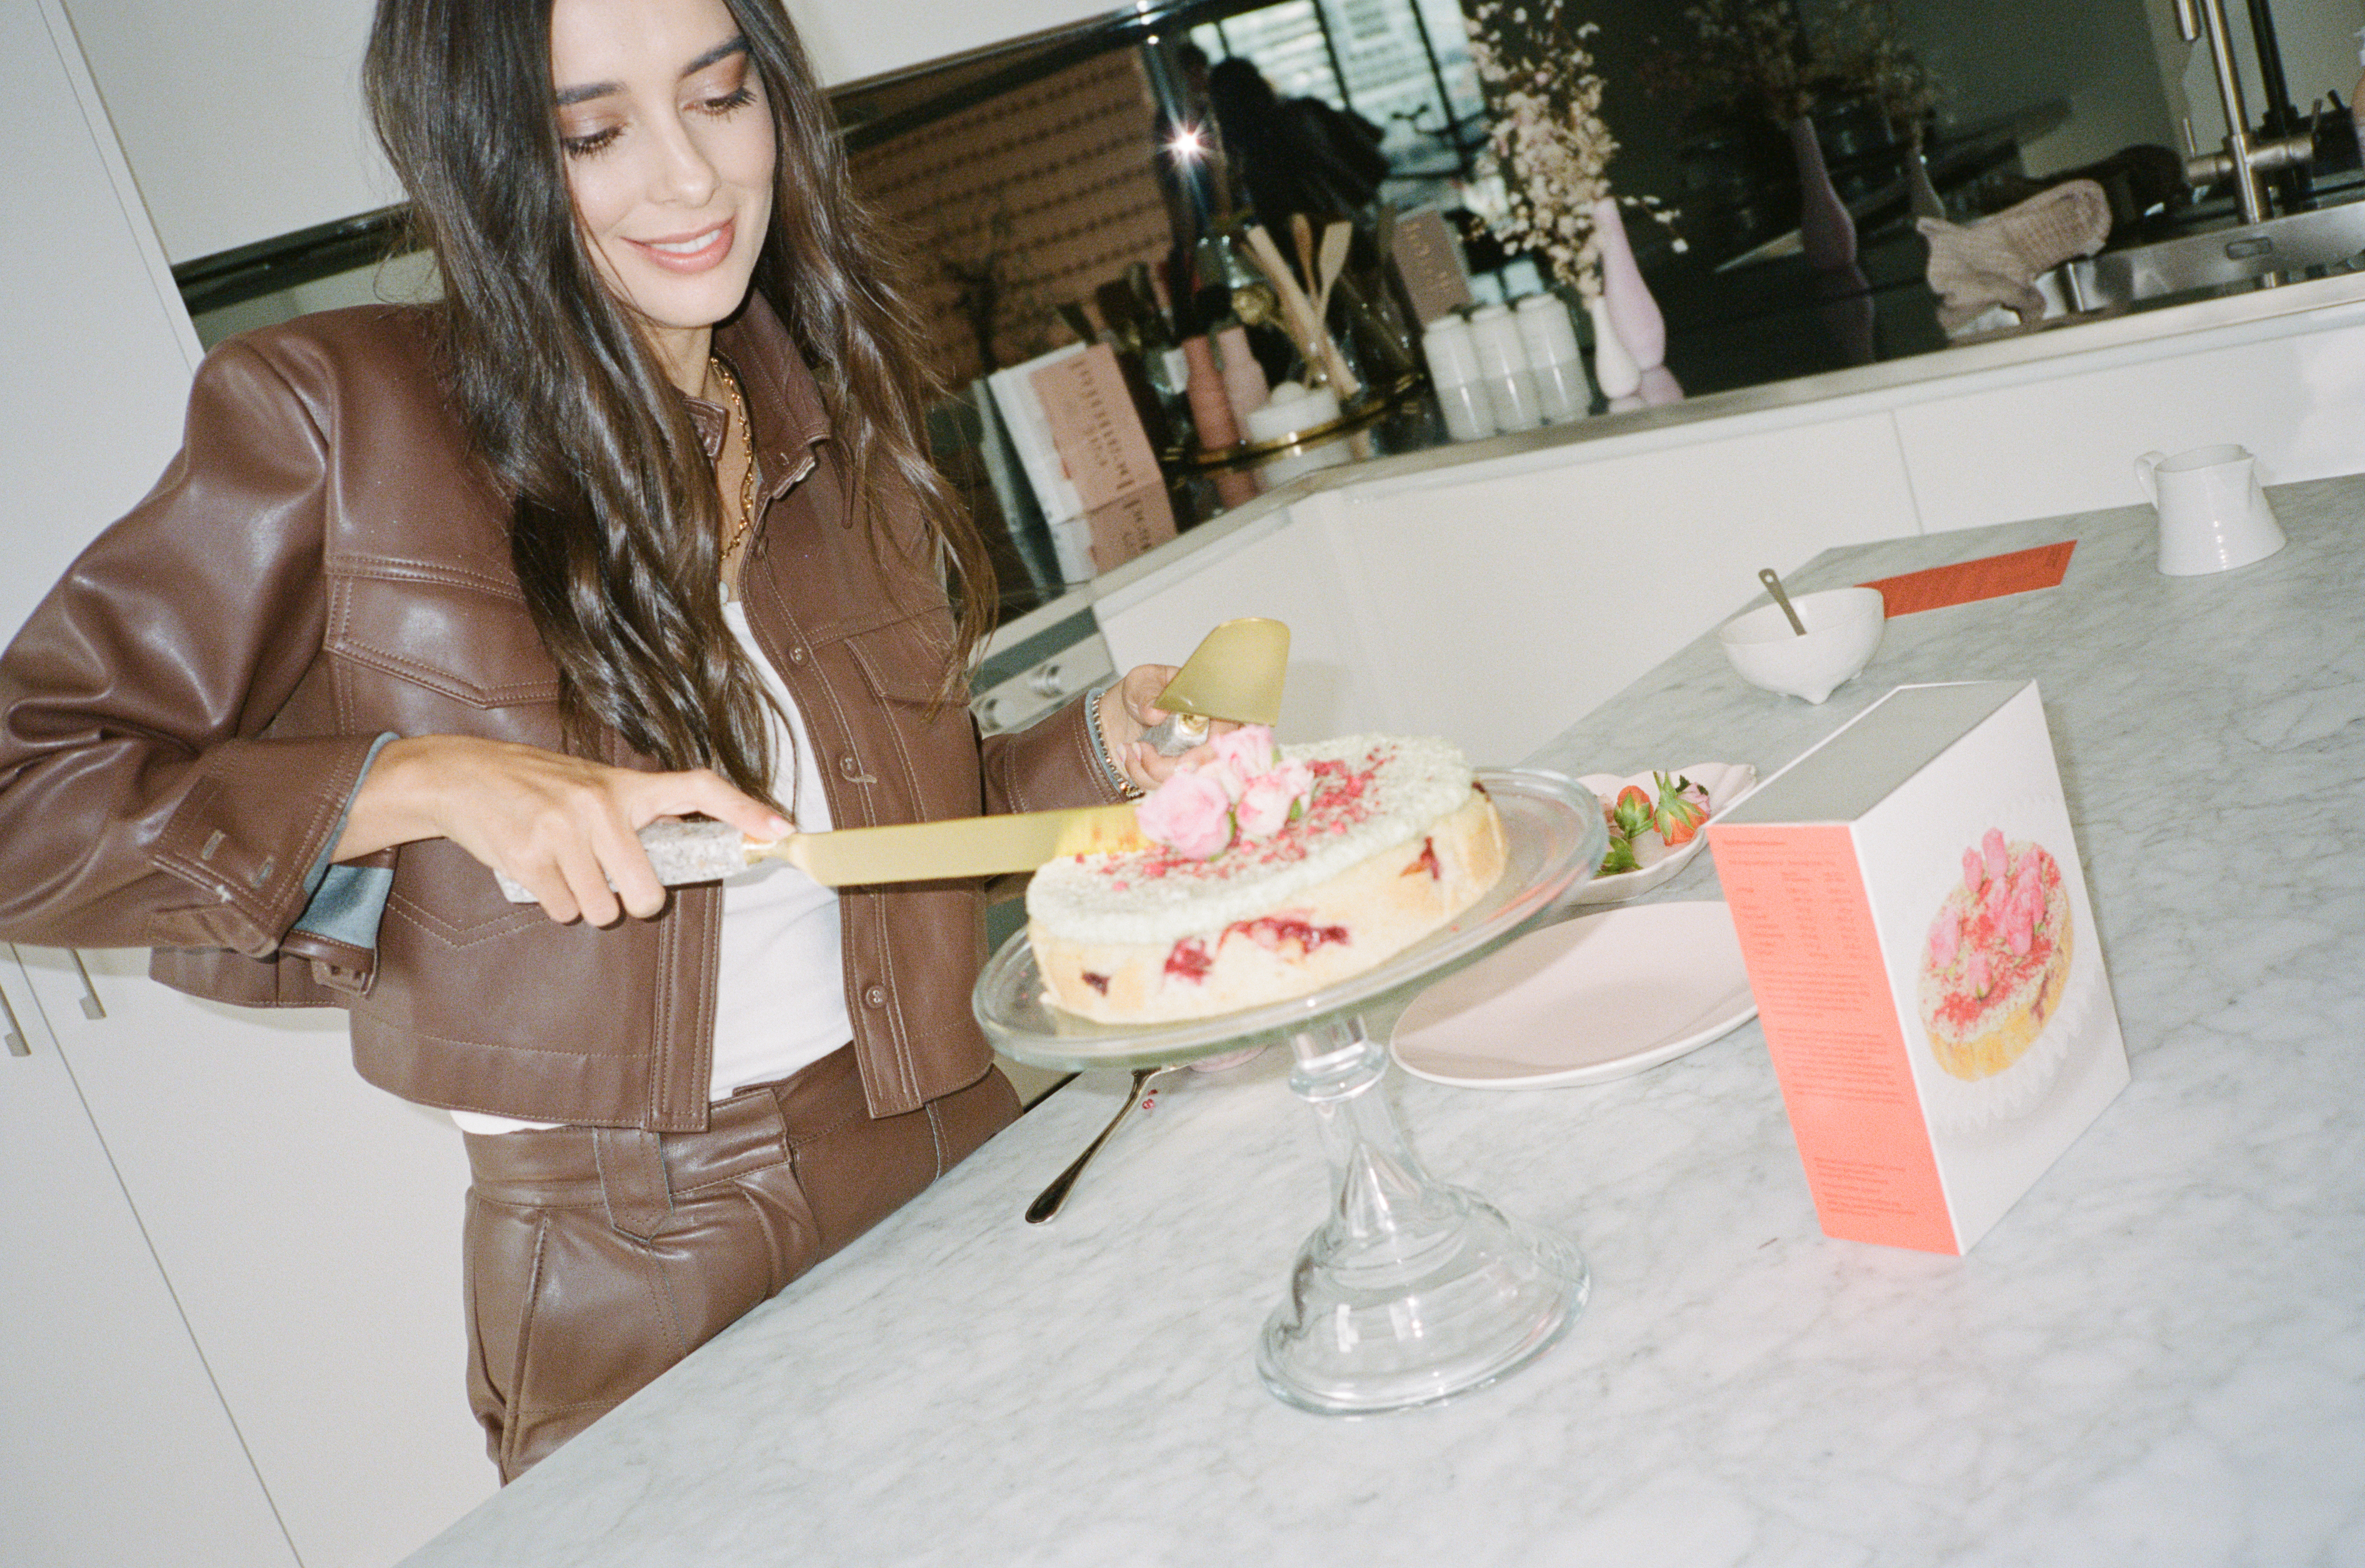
184, 718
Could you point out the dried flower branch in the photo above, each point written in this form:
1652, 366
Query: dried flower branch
1549, 143
1864, 54
1754, 56
1752, 53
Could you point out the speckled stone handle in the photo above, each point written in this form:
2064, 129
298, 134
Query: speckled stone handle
682, 853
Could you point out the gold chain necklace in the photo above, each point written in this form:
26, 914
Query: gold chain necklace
747, 519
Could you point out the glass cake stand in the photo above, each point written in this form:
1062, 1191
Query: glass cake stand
1411, 1291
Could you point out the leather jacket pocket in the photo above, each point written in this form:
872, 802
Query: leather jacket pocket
472, 648
902, 662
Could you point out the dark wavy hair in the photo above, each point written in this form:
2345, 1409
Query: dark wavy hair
614, 529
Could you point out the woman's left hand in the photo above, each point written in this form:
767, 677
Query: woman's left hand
1129, 707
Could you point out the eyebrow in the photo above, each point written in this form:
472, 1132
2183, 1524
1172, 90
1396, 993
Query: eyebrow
602, 89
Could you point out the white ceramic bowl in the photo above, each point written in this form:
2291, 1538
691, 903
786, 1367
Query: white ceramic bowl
1842, 629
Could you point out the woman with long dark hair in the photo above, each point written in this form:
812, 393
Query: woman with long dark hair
636, 521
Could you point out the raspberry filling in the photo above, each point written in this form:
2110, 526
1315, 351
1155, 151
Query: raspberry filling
1427, 862
1190, 960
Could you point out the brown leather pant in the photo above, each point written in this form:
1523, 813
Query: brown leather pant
599, 1256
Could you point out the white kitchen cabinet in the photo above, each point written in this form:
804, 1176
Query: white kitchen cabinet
1493, 603
115, 1448
310, 1227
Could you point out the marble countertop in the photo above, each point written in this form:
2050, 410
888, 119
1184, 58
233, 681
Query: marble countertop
2157, 1356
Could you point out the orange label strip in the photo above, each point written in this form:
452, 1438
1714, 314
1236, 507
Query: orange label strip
1830, 1025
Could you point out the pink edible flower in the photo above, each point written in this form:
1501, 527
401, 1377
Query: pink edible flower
1265, 807
1191, 813
1247, 751
1230, 779
1974, 973
1974, 870
1991, 847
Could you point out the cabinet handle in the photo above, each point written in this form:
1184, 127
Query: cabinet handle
17, 1043
92, 1007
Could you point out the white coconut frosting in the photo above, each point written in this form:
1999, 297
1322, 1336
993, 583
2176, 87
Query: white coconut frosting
1371, 793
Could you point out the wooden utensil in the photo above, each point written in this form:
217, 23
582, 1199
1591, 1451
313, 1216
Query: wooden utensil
1297, 316
1334, 242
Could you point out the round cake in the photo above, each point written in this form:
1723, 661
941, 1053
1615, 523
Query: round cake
1996, 959
1271, 878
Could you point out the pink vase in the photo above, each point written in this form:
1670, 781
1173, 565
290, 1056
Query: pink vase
1614, 370
1633, 313
1826, 231
1921, 197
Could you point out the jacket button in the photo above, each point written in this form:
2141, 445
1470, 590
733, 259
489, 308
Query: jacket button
797, 654
876, 996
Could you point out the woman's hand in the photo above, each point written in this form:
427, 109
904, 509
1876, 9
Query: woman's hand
563, 826
1129, 707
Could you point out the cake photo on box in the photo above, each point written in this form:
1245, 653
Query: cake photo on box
1997, 959
1273, 872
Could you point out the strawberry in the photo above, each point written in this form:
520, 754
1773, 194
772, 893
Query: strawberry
1682, 807
1631, 815
1620, 857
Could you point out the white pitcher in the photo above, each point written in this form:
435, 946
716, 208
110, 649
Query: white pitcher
2212, 514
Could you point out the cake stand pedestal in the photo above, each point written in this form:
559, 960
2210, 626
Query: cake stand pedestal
1412, 1291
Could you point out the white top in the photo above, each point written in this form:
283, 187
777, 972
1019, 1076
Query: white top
780, 992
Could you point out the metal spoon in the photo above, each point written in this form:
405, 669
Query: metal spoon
1773, 586
1055, 1194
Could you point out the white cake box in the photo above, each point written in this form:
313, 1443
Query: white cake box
1915, 921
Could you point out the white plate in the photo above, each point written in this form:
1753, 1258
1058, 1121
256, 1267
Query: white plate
1725, 782
1582, 1002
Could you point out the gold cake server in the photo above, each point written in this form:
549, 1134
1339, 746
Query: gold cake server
704, 851
1235, 674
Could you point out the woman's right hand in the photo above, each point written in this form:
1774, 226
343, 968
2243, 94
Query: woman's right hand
564, 827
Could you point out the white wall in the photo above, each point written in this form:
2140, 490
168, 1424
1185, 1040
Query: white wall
2317, 39
854, 39
1992, 57
242, 120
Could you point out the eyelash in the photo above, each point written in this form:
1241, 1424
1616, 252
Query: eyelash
598, 142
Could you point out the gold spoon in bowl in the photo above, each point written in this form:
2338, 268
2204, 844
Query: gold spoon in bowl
1773, 586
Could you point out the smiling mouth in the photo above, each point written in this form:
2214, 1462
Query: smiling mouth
694, 254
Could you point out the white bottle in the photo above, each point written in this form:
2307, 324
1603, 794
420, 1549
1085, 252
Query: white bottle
1553, 357
1453, 370
1503, 365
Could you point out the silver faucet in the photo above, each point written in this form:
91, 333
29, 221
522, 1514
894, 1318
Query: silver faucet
2243, 157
